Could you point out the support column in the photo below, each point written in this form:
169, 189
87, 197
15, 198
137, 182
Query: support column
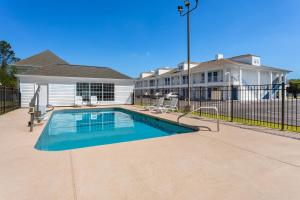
271, 78
205, 77
241, 77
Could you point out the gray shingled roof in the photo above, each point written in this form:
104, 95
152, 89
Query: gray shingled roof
47, 63
42, 59
67, 70
224, 63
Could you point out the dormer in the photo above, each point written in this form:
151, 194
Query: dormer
219, 56
184, 65
161, 71
146, 74
248, 59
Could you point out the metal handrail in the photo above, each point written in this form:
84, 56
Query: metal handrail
32, 107
202, 108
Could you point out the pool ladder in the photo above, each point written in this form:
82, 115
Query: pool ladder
203, 108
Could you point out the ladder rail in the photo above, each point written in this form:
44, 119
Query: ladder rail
204, 108
32, 107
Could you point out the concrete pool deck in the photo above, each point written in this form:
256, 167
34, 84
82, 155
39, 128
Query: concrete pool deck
232, 164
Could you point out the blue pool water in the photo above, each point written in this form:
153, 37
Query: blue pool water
70, 129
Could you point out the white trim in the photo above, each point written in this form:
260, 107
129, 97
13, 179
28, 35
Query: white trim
62, 79
68, 77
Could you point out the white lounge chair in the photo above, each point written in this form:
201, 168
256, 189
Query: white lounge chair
94, 101
173, 106
159, 103
78, 101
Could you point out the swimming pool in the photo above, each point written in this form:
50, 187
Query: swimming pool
70, 129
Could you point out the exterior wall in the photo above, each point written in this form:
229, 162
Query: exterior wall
250, 77
123, 94
265, 77
62, 90
27, 92
239, 75
235, 76
61, 94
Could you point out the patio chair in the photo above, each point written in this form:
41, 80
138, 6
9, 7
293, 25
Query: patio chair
94, 101
170, 107
78, 101
173, 106
159, 103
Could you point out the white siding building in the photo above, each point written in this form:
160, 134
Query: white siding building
60, 82
243, 71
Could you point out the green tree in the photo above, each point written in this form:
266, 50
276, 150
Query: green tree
7, 72
294, 87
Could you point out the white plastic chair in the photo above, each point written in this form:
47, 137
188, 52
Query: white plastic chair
171, 107
94, 101
78, 101
159, 103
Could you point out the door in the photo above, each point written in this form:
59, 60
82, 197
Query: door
234, 93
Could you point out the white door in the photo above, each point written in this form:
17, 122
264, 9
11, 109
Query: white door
43, 96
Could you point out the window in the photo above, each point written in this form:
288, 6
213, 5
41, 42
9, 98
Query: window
108, 92
96, 90
202, 79
215, 76
152, 83
82, 89
209, 76
103, 91
167, 81
185, 79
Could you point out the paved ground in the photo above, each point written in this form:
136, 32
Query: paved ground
232, 164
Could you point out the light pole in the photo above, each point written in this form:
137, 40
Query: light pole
187, 14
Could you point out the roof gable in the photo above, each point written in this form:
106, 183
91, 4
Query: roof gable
41, 59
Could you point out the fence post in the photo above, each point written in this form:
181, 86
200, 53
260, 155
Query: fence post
282, 104
231, 103
200, 102
4, 100
133, 98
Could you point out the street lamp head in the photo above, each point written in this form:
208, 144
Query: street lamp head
180, 9
187, 3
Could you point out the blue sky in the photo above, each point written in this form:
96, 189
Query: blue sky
133, 35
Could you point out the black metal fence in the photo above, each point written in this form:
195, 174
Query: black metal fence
261, 105
10, 99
